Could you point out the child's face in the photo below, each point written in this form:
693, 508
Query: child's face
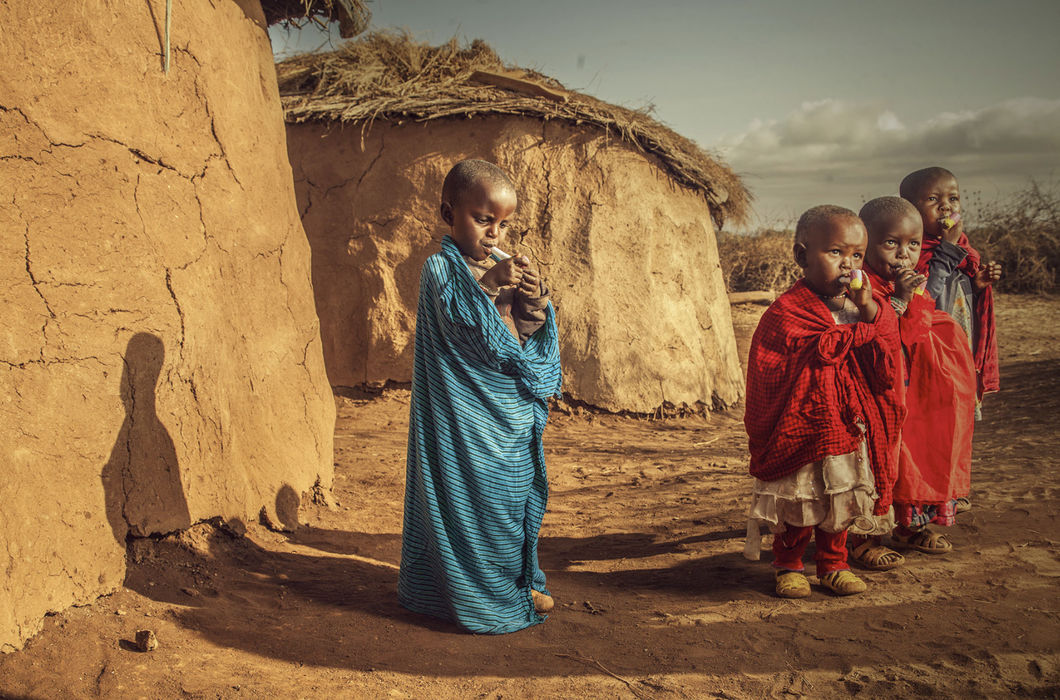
895, 246
935, 200
830, 253
479, 217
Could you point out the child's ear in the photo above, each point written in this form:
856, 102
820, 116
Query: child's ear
799, 251
447, 213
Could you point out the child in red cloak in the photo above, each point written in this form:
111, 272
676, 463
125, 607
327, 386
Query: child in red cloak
957, 279
823, 412
934, 463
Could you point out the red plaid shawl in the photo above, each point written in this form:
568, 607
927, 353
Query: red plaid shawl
809, 380
985, 352
935, 460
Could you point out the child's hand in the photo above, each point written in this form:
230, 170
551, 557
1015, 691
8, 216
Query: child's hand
906, 282
862, 299
506, 273
530, 286
986, 276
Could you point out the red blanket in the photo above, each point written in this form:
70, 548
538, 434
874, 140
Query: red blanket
935, 459
985, 352
809, 382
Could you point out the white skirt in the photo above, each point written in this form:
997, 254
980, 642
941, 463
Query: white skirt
835, 494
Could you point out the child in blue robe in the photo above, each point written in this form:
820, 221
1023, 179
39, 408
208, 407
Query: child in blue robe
486, 363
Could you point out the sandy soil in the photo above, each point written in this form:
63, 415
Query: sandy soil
642, 547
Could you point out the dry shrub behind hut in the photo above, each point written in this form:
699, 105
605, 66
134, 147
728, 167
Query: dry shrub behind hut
758, 261
1022, 232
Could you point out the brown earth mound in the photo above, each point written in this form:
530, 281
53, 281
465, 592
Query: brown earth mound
159, 358
631, 258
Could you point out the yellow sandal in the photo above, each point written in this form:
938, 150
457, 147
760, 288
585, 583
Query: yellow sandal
792, 584
843, 582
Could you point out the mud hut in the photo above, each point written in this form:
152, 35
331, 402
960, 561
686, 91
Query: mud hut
618, 211
160, 361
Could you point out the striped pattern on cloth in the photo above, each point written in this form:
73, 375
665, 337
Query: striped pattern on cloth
476, 486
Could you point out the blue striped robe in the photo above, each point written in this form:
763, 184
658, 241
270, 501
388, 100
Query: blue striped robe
476, 487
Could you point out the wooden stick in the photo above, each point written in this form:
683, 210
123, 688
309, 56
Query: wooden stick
594, 662
515, 84
763, 297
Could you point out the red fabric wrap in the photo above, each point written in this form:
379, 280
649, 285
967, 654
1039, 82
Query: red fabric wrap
935, 458
986, 362
810, 380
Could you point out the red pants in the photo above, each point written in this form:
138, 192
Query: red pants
789, 546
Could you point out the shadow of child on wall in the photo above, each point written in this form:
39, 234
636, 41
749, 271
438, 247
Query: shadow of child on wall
141, 480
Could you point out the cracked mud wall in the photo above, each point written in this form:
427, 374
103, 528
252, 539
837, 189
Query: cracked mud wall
160, 361
632, 258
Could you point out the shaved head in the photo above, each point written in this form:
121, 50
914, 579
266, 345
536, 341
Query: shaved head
883, 212
467, 174
915, 181
817, 219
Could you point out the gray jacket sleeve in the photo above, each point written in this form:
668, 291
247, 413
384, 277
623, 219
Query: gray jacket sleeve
943, 263
529, 314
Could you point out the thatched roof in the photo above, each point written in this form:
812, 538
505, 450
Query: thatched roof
391, 77
352, 15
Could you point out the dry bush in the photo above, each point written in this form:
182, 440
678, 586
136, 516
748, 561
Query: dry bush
758, 261
1023, 234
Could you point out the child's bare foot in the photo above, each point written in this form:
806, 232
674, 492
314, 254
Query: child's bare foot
875, 557
542, 603
792, 584
843, 582
962, 505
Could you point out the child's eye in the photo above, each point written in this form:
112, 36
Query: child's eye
505, 225
955, 198
932, 198
914, 244
857, 256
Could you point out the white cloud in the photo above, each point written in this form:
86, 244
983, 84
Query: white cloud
845, 152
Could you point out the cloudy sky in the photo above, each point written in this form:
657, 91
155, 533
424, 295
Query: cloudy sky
811, 101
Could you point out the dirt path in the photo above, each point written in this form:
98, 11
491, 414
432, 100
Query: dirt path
642, 548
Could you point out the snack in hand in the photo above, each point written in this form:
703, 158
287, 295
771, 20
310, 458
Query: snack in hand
950, 221
856, 279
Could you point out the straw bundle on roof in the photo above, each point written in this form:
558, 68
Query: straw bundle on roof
389, 76
352, 15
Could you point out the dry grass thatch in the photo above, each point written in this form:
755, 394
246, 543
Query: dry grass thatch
352, 15
389, 76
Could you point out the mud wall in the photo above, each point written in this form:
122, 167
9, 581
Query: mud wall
160, 360
631, 257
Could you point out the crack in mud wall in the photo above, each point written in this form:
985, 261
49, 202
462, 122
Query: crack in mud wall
160, 361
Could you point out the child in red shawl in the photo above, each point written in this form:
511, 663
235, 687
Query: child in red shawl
823, 413
957, 279
934, 462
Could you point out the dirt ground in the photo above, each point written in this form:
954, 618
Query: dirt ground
642, 545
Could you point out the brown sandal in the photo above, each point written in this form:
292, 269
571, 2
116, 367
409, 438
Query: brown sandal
924, 541
875, 557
